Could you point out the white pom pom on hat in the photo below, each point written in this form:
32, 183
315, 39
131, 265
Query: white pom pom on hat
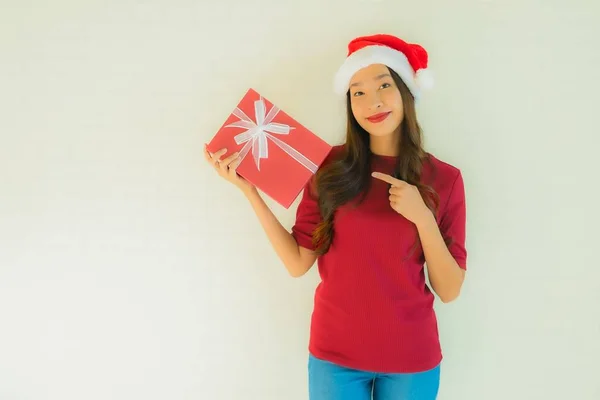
408, 60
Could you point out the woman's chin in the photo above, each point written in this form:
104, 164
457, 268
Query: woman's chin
380, 132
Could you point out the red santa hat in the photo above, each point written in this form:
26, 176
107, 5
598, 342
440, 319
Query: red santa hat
408, 60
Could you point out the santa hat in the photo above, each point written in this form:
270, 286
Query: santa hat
408, 60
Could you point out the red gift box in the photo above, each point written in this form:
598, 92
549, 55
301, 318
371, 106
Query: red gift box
279, 155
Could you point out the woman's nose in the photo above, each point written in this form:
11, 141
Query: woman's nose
376, 104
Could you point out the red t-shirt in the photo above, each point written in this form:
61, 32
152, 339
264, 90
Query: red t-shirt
372, 309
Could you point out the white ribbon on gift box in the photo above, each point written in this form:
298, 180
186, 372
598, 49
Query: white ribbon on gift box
258, 132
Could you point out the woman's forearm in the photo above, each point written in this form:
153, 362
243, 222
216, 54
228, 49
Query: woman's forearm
445, 275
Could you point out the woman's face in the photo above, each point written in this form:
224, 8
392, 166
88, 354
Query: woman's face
376, 100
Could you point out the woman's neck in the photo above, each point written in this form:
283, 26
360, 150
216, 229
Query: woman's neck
385, 145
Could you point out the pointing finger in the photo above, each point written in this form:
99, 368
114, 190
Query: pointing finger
386, 178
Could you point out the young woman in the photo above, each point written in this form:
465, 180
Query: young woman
378, 209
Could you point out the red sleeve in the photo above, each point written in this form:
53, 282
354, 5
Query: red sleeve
308, 217
453, 221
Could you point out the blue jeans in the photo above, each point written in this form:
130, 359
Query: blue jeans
328, 381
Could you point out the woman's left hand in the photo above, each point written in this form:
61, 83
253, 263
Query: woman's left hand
405, 199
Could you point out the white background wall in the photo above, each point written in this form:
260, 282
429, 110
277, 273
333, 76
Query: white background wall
129, 270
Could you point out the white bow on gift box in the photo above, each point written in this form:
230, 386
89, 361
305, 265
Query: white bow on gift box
256, 134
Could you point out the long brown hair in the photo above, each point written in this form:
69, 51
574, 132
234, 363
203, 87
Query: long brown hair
349, 176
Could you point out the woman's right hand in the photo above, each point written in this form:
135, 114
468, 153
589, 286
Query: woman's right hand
227, 168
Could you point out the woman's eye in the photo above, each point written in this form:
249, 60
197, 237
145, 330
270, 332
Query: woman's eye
385, 85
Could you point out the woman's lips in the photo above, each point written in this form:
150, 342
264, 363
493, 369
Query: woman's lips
378, 117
